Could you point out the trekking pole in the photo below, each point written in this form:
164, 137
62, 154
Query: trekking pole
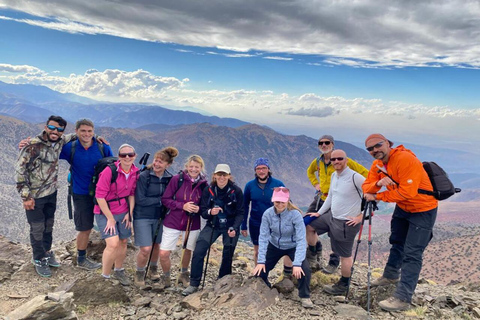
185, 241
208, 253
356, 251
231, 251
157, 231
371, 206
143, 161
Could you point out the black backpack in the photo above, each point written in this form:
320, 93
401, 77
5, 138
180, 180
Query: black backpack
99, 167
443, 188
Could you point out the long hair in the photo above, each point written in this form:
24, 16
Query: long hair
291, 206
213, 182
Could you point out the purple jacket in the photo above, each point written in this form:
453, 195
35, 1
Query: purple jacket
107, 191
177, 218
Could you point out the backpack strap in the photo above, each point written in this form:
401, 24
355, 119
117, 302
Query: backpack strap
353, 180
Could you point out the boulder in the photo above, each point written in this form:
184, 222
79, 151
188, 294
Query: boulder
351, 312
95, 290
53, 306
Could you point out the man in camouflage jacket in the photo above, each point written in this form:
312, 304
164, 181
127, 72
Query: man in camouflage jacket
36, 175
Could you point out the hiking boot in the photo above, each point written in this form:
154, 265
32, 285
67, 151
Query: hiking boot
393, 304
52, 262
42, 267
329, 269
88, 264
307, 303
319, 259
312, 260
184, 279
121, 276
336, 289
382, 281
166, 281
189, 290
139, 278
153, 273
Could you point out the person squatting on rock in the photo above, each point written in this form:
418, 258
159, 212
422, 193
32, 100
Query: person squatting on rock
282, 232
113, 213
402, 174
36, 176
83, 155
182, 198
222, 206
324, 169
259, 192
147, 214
340, 216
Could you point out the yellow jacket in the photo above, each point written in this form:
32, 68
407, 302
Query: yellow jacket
325, 173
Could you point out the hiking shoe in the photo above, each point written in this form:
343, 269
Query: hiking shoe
184, 279
382, 281
139, 278
121, 276
336, 289
329, 269
319, 259
312, 260
52, 262
153, 273
42, 267
189, 290
307, 303
88, 264
166, 281
393, 304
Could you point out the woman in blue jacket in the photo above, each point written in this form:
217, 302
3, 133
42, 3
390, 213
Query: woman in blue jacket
282, 233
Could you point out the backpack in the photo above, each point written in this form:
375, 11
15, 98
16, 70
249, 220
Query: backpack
442, 186
99, 167
101, 147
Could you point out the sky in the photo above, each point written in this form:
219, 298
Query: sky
407, 69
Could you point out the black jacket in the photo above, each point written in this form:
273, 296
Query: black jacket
148, 194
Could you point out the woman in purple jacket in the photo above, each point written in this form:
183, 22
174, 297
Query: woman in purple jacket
113, 213
182, 197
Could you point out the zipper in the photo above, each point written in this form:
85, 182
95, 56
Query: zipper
279, 229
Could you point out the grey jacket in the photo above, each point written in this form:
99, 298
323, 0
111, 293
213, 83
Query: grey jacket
285, 231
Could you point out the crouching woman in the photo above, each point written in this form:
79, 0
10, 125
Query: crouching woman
113, 214
282, 233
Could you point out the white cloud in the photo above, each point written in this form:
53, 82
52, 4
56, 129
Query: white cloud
278, 58
367, 34
20, 69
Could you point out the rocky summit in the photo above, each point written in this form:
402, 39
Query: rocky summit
73, 293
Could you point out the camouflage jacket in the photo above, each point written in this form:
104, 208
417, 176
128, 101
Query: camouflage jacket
37, 166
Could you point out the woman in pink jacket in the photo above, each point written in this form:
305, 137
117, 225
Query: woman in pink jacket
113, 213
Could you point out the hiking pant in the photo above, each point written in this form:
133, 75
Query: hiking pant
273, 255
411, 233
41, 220
201, 248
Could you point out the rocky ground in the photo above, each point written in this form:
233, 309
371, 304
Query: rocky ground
73, 293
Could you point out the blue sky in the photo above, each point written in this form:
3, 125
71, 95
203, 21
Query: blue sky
304, 67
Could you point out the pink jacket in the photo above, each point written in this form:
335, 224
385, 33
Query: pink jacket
107, 191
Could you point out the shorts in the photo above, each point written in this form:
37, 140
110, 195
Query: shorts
83, 212
341, 236
254, 232
144, 232
120, 230
170, 238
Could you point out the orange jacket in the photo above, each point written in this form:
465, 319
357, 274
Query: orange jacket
405, 168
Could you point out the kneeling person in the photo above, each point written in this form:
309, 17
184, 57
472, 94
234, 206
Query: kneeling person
340, 216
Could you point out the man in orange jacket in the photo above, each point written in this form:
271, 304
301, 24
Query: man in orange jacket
402, 174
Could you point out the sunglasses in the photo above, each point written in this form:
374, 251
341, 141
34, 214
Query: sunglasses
281, 189
321, 143
124, 155
378, 145
337, 159
59, 129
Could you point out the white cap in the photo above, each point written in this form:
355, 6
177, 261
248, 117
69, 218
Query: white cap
222, 168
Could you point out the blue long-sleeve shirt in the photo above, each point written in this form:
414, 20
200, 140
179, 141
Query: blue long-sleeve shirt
261, 200
285, 231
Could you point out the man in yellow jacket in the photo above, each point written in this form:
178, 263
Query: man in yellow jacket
319, 173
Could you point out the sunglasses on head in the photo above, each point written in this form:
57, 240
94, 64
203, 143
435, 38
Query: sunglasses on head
337, 159
281, 189
124, 155
321, 143
378, 145
51, 127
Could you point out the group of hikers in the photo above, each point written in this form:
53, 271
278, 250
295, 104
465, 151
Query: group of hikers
161, 207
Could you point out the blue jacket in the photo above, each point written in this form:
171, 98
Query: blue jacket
84, 161
285, 231
261, 200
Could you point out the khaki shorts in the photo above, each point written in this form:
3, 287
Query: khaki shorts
170, 238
